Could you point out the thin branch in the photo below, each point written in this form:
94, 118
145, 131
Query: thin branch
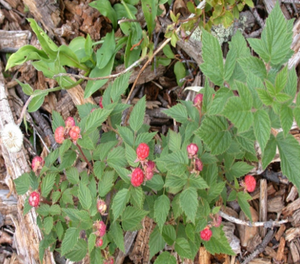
267, 224
19, 121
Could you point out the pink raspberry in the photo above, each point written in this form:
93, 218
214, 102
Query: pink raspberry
101, 228
192, 150
34, 199
206, 234
149, 169
70, 122
198, 99
59, 134
142, 151
137, 177
37, 163
74, 133
250, 183
217, 220
199, 164
101, 207
99, 242
100, 102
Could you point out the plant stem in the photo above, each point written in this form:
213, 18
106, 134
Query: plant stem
84, 157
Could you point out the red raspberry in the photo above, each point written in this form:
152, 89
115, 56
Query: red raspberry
75, 133
206, 234
149, 169
99, 242
198, 99
142, 151
101, 207
70, 122
37, 163
34, 199
137, 177
199, 164
101, 228
100, 102
192, 150
59, 134
250, 183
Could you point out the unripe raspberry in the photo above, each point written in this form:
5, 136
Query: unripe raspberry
37, 163
137, 177
192, 150
198, 99
206, 234
99, 242
142, 151
101, 228
59, 134
199, 164
149, 169
100, 102
101, 207
70, 122
74, 133
34, 199
250, 183
217, 221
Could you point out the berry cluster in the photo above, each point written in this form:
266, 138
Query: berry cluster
138, 175
34, 199
249, 183
100, 232
101, 207
69, 131
192, 150
206, 234
37, 164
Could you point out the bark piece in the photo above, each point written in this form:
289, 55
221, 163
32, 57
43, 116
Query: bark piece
263, 199
275, 204
296, 218
204, 256
253, 243
280, 251
260, 261
233, 241
292, 194
289, 209
280, 232
292, 233
11, 41
294, 248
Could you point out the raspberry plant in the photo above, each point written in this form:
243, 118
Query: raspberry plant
197, 168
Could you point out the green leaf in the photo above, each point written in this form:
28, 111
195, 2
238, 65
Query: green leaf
78, 252
289, 151
106, 183
161, 210
179, 71
213, 65
96, 118
169, 234
296, 113
70, 240
253, 65
119, 203
214, 132
84, 196
43, 210
281, 80
286, 118
198, 182
215, 190
117, 235
265, 97
269, 152
168, 52
176, 162
175, 181
48, 224
156, 242
72, 175
132, 217
116, 157
243, 198
119, 86
230, 64
123, 173
239, 169
36, 102
174, 141
262, 127
96, 256
57, 120
137, 197
188, 201
219, 101
106, 51
136, 118
165, 258
182, 247
105, 8
126, 134
177, 112
55, 209
91, 242
22, 183
131, 156
47, 184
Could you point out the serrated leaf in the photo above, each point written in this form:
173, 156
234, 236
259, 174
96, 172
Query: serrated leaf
230, 64
198, 182
144, 138
239, 169
48, 224
137, 197
132, 217
219, 101
84, 196
22, 183
116, 157
269, 152
214, 132
165, 258
96, 118
55, 209
243, 198
169, 234
126, 134
161, 210
286, 118
96, 256
262, 127
91, 242
117, 235
119, 202
176, 162
289, 151
78, 252
182, 247
253, 65
177, 112
72, 175
47, 184
136, 118
131, 156
43, 210
188, 201
265, 97
156, 242
174, 141
215, 190
106, 183
179, 71
213, 66
70, 240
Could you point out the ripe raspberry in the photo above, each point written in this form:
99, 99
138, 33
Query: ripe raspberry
34, 199
37, 163
100, 102
206, 234
69, 122
101, 207
59, 134
142, 151
199, 164
137, 177
217, 221
99, 242
75, 133
101, 228
192, 150
250, 183
149, 169
198, 99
